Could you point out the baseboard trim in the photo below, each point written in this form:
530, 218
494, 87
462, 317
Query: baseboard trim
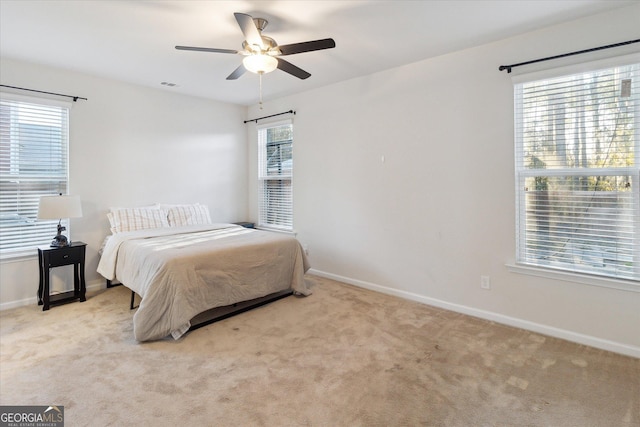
93, 285
616, 347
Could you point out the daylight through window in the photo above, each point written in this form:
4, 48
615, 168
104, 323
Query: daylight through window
577, 172
33, 163
275, 173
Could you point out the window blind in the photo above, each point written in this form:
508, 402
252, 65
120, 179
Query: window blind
33, 163
275, 173
577, 172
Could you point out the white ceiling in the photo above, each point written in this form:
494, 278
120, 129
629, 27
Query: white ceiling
133, 40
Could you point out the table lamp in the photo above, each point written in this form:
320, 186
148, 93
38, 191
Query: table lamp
58, 207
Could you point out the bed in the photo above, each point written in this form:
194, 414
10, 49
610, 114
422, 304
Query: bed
182, 269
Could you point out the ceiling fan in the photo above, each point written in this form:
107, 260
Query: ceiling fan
261, 53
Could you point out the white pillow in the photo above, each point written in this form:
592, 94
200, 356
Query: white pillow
117, 208
196, 214
132, 219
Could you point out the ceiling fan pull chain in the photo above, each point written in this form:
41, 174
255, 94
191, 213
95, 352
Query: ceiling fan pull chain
260, 75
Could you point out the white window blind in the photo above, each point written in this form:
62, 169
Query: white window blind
578, 172
33, 163
275, 173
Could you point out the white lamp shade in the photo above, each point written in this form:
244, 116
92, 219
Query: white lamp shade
58, 207
260, 63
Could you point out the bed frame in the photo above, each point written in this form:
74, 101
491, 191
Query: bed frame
220, 313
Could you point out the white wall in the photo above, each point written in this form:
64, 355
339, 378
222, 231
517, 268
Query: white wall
439, 212
132, 146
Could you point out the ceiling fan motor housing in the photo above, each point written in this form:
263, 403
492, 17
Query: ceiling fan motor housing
269, 44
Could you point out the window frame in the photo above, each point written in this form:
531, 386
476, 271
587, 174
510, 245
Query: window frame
41, 231
282, 212
521, 173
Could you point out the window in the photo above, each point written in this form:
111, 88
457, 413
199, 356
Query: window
33, 163
275, 173
577, 172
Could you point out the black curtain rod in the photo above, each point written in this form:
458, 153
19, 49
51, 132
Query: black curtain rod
75, 98
509, 67
273, 115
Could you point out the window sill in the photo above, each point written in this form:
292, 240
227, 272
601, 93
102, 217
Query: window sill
585, 279
19, 257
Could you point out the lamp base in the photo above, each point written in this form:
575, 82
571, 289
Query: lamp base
60, 241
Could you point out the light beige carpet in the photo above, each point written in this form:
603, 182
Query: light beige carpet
341, 357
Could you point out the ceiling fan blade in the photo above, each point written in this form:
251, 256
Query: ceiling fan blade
206, 49
249, 29
288, 67
290, 49
237, 73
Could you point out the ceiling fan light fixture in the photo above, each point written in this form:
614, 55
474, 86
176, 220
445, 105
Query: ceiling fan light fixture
260, 64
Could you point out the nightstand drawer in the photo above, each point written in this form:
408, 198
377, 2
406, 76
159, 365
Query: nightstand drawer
65, 256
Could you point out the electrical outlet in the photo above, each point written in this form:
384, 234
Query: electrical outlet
485, 282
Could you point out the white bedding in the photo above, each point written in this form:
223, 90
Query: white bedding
183, 271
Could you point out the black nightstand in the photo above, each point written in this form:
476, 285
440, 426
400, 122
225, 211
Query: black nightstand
48, 258
245, 224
